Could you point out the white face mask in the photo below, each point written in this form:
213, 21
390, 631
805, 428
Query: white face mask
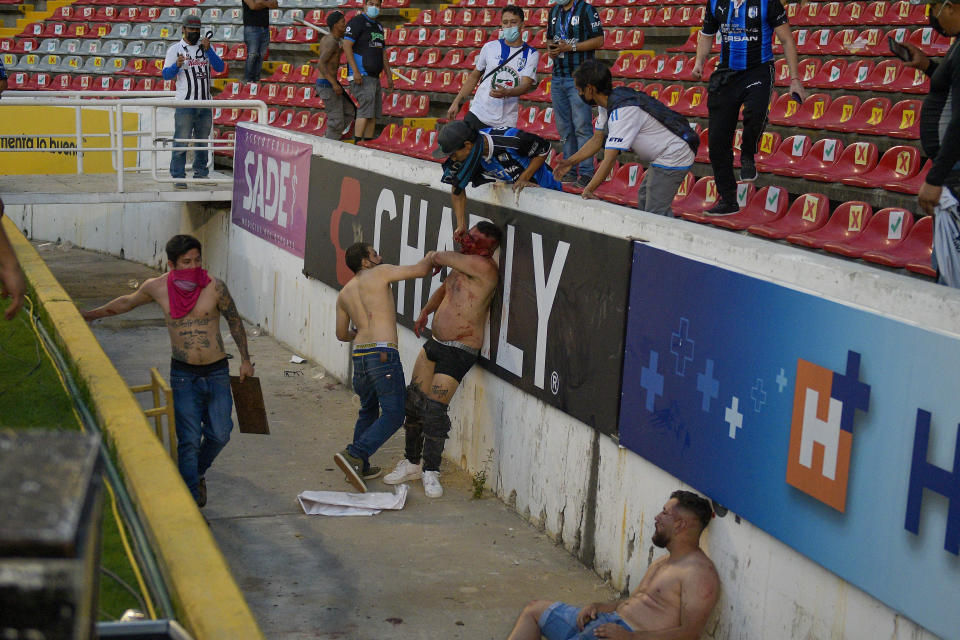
511, 33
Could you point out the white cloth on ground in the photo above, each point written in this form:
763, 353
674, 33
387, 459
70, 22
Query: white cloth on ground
342, 503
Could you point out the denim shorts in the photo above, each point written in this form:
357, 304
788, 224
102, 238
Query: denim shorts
559, 622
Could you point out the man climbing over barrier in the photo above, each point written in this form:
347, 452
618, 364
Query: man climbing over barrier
367, 302
673, 600
193, 302
460, 309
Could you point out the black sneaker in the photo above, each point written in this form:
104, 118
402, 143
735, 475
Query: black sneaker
722, 208
352, 468
202, 492
571, 176
748, 170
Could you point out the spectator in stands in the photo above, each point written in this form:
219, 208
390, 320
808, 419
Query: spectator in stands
335, 100
673, 600
661, 137
477, 157
574, 32
506, 69
256, 35
744, 77
363, 44
939, 136
12, 284
3, 78
189, 61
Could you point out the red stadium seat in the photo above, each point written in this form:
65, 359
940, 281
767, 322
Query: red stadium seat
829, 75
790, 152
61, 82
622, 188
847, 222
915, 249
883, 77
839, 114
929, 41
869, 115
426, 17
684, 189
623, 66
654, 69
526, 119
693, 102
545, 127
541, 93
703, 151
811, 112
886, 229
808, 212
766, 205
451, 60
670, 95
745, 191
285, 119
904, 13
853, 75
702, 195
688, 16
856, 159
431, 57
653, 89
911, 185
783, 110
817, 43
876, 12
898, 163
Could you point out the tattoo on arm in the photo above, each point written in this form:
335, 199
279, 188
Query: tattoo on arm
439, 391
229, 310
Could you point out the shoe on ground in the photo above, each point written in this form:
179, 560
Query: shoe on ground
202, 493
748, 170
569, 177
431, 484
352, 469
723, 208
583, 181
404, 471
371, 472
180, 185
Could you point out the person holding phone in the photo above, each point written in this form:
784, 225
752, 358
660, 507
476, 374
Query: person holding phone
939, 133
743, 78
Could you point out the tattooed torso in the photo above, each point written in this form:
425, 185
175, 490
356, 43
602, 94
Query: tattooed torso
194, 338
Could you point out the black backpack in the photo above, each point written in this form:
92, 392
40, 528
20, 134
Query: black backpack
673, 121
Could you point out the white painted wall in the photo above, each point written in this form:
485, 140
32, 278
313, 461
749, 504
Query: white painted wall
538, 458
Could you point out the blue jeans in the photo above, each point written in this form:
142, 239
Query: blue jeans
378, 380
574, 120
257, 40
559, 622
189, 122
202, 405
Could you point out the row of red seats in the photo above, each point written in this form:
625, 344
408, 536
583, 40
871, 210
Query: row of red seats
65, 30
110, 13
902, 12
860, 75
157, 3
530, 4
20, 81
874, 116
402, 105
407, 141
869, 42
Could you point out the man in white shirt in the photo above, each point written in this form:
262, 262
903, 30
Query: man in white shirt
506, 69
190, 61
659, 136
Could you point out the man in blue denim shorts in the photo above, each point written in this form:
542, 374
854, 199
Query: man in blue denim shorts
367, 302
673, 600
193, 302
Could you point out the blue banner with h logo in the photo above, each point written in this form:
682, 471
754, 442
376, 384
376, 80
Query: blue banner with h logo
832, 428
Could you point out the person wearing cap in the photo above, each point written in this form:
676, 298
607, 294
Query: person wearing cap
190, 61
335, 101
363, 44
939, 133
256, 35
743, 78
504, 154
505, 70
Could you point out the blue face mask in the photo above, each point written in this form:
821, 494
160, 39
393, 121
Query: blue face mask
373, 11
511, 33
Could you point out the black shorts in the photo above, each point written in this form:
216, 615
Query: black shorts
453, 361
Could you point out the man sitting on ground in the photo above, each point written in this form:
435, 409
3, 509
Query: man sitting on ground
673, 600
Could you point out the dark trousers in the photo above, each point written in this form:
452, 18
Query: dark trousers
729, 90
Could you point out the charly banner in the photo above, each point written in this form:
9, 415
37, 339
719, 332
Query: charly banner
831, 428
557, 322
270, 188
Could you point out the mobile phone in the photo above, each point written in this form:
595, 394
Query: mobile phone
899, 50
208, 35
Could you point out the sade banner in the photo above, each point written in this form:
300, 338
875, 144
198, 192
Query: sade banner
831, 428
556, 325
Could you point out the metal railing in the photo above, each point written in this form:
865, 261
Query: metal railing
115, 103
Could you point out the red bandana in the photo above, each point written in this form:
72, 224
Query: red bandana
183, 289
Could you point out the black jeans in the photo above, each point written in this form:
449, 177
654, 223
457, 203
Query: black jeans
728, 91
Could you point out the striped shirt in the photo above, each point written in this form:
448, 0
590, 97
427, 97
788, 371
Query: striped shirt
578, 24
193, 78
746, 30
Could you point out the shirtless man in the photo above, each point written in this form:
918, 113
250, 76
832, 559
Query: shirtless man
367, 301
192, 303
672, 601
335, 101
461, 304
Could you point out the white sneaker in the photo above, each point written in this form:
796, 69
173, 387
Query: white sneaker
405, 470
431, 484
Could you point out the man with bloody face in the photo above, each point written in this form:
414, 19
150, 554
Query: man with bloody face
192, 302
460, 309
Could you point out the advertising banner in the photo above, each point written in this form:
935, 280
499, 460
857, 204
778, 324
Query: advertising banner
831, 428
556, 325
270, 176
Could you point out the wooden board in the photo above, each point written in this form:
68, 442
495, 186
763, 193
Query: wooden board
248, 400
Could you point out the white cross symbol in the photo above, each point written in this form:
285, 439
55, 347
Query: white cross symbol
733, 417
781, 380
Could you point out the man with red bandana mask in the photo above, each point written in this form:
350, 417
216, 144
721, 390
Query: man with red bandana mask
192, 302
460, 309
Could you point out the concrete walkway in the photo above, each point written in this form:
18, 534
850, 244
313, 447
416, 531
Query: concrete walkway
451, 568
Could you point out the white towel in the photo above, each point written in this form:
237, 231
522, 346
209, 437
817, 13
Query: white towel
342, 503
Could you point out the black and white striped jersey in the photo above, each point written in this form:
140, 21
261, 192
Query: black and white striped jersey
193, 79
